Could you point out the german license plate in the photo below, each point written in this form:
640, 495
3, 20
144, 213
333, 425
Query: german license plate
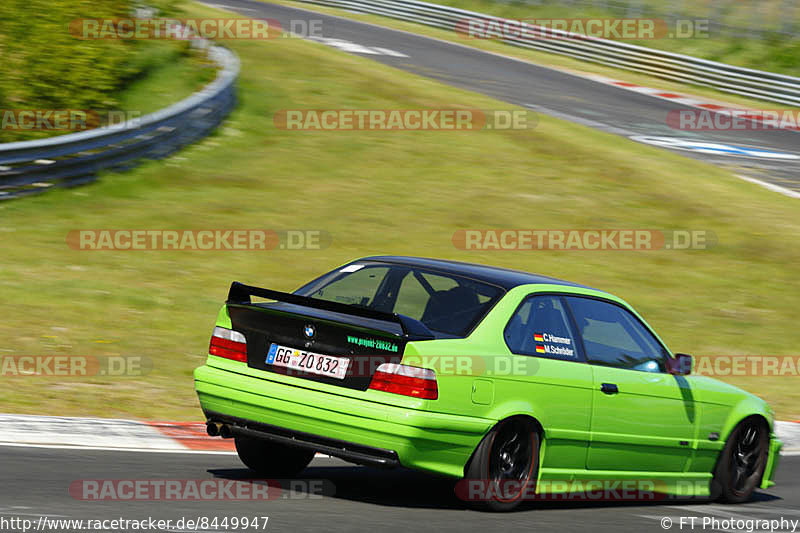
313, 363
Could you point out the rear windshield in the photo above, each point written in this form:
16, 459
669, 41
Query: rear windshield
445, 303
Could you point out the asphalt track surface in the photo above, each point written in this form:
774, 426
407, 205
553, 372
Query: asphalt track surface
545, 90
353, 498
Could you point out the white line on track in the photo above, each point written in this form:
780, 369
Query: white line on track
779, 510
771, 186
19, 510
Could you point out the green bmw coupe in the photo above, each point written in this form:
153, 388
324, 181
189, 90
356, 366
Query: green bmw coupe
521, 383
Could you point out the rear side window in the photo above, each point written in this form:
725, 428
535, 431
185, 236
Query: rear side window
446, 304
613, 336
541, 327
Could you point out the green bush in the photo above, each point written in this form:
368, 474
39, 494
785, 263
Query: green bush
45, 67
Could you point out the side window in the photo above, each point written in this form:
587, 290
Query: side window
441, 302
411, 298
541, 327
612, 336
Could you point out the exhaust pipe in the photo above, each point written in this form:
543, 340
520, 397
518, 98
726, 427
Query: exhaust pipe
225, 432
213, 428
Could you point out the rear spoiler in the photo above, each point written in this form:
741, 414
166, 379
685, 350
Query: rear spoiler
240, 293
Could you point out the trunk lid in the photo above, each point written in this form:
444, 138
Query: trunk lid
364, 337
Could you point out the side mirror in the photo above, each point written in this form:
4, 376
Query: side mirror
680, 365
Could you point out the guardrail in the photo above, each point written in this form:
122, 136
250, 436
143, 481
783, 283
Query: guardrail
667, 65
30, 167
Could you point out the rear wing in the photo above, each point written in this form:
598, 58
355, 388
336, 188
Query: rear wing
413, 329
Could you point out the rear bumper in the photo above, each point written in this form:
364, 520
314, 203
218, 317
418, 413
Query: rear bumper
768, 479
357, 429
349, 451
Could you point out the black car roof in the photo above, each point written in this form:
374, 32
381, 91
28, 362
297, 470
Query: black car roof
503, 277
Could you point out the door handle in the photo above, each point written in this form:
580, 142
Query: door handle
609, 388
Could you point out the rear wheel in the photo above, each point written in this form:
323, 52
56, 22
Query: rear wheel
741, 464
506, 463
271, 459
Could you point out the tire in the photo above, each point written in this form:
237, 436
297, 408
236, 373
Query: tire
270, 459
741, 464
507, 464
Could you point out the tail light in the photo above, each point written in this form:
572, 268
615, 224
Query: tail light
405, 380
229, 344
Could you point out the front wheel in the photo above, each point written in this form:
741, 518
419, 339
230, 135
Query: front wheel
271, 459
505, 465
742, 462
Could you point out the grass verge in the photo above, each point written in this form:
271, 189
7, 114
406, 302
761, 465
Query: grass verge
166, 74
377, 192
